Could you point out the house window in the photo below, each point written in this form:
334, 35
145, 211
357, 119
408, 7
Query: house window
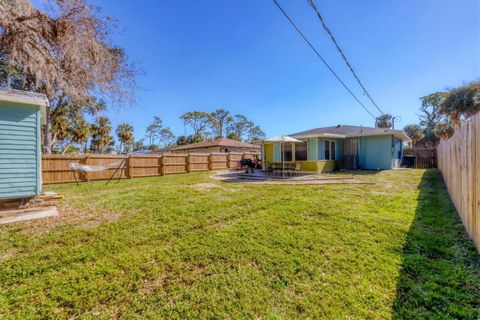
301, 151
330, 147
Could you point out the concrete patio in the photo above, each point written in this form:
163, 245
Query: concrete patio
302, 178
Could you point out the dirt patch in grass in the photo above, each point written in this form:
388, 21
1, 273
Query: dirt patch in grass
150, 285
204, 186
7, 255
68, 214
104, 218
223, 224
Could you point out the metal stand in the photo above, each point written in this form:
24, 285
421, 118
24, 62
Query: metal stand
75, 176
122, 167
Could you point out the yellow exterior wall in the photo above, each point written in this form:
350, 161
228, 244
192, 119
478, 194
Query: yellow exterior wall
268, 149
318, 166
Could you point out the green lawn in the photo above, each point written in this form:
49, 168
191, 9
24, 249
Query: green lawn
187, 246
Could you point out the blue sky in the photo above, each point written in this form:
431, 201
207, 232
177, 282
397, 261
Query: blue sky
244, 56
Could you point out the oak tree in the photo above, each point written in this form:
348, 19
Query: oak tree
63, 51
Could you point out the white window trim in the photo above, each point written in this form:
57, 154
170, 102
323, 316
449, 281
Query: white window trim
330, 149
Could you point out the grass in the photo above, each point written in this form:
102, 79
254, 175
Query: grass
188, 247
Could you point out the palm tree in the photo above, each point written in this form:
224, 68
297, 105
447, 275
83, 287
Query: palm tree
101, 138
81, 131
462, 101
414, 132
384, 121
444, 129
125, 136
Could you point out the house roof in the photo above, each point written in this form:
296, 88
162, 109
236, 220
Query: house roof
346, 131
26, 98
222, 142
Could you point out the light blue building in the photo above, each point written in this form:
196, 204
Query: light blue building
21, 117
341, 146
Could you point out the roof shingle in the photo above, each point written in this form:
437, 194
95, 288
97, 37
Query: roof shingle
349, 131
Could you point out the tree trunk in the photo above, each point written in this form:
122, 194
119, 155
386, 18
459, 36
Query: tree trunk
48, 137
47, 134
65, 150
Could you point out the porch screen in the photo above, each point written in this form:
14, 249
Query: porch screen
287, 152
301, 151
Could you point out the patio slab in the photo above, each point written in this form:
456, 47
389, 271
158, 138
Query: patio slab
10, 216
260, 177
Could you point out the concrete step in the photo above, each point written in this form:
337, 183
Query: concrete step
10, 216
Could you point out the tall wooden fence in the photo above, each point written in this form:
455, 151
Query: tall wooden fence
459, 162
55, 168
424, 158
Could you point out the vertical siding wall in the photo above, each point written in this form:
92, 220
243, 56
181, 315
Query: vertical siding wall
459, 162
312, 149
56, 167
375, 152
19, 151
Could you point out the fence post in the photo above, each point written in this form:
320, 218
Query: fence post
229, 159
162, 164
128, 173
210, 162
189, 159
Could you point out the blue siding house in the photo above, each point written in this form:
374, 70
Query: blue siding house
341, 146
21, 115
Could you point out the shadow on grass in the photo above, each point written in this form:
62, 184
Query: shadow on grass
440, 273
362, 172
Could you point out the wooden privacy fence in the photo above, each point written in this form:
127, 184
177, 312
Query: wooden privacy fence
425, 158
459, 162
55, 168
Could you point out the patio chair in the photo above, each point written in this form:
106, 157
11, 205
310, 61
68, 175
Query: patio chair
277, 169
290, 168
268, 168
298, 168
238, 166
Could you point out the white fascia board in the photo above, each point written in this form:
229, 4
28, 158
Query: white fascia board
26, 98
397, 134
321, 135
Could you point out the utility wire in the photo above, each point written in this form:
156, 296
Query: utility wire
321, 58
312, 4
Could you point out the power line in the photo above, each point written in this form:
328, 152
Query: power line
312, 4
321, 58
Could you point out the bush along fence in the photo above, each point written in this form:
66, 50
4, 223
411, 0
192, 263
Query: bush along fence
459, 162
56, 168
